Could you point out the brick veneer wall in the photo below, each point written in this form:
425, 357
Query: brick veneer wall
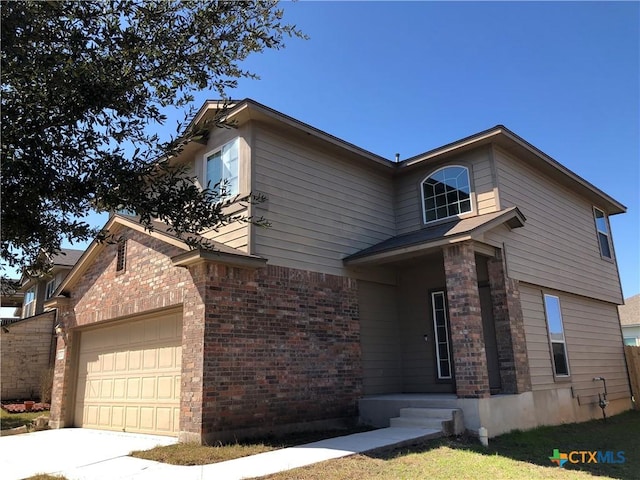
261, 348
149, 282
510, 334
467, 338
282, 347
26, 355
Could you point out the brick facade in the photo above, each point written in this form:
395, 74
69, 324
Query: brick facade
26, 353
467, 337
281, 346
261, 348
510, 334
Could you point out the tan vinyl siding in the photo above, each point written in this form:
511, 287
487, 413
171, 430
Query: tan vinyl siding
409, 198
594, 344
321, 207
381, 348
235, 235
558, 245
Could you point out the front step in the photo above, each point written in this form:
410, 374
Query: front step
447, 420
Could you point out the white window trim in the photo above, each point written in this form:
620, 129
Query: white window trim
607, 233
460, 215
50, 288
435, 334
552, 341
29, 307
206, 166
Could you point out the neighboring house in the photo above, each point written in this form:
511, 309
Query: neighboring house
480, 274
630, 320
27, 341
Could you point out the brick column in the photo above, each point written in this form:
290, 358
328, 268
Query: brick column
467, 337
63, 376
510, 336
193, 327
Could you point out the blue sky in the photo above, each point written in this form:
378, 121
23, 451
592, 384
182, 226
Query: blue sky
407, 77
411, 76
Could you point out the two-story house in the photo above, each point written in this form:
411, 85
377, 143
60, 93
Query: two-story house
27, 341
480, 275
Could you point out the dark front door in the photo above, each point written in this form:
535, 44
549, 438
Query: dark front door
490, 343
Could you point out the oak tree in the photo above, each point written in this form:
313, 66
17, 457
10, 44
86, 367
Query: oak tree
85, 85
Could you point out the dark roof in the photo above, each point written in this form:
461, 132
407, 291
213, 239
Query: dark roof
630, 311
67, 257
448, 230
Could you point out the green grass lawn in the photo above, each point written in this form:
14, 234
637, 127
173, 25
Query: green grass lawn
13, 420
515, 455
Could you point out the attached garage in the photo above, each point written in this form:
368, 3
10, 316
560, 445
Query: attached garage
129, 375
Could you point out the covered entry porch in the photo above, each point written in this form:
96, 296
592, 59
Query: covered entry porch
447, 324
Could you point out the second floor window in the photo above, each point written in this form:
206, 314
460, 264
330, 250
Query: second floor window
603, 232
446, 193
50, 288
223, 168
29, 304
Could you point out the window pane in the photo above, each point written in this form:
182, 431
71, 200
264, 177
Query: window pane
430, 215
447, 191
214, 169
554, 316
445, 372
601, 221
222, 168
560, 358
430, 203
438, 301
605, 249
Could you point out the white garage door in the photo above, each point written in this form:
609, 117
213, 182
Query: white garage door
129, 376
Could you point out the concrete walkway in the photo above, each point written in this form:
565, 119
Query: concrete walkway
95, 455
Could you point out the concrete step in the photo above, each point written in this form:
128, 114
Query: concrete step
443, 413
418, 422
448, 420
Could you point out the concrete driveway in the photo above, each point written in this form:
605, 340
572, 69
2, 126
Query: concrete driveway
66, 449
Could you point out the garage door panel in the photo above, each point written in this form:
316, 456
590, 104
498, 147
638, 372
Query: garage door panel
119, 388
130, 379
147, 418
149, 359
117, 417
149, 388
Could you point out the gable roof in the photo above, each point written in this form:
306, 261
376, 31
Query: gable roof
404, 246
244, 110
67, 257
630, 311
222, 253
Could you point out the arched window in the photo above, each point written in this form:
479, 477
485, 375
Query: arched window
446, 193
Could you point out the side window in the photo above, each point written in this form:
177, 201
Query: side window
446, 193
51, 287
29, 304
441, 327
553, 313
223, 169
602, 227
